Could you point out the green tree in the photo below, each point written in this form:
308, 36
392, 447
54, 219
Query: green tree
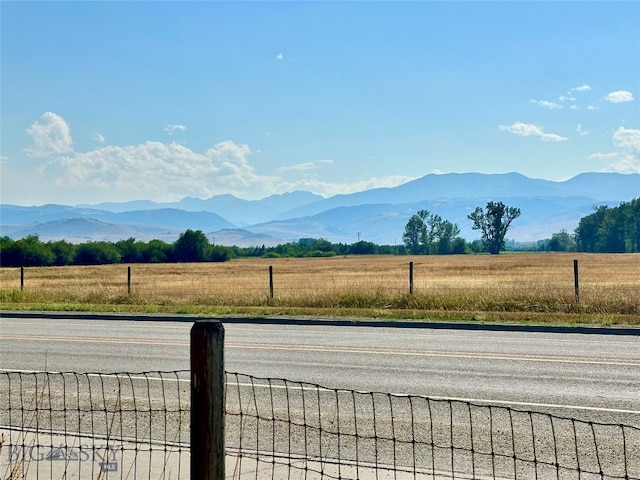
363, 248
322, 245
64, 252
9, 252
97, 253
588, 229
220, 253
156, 251
28, 252
426, 233
415, 232
562, 241
191, 246
633, 219
130, 250
611, 230
446, 236
494, 222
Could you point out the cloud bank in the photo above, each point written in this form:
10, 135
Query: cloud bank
170, 171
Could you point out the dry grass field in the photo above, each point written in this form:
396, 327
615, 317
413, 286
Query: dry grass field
536, 287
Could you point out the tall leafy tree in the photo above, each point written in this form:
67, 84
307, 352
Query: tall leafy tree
447, 234
191, 246
494, 222
426, 233
415, 232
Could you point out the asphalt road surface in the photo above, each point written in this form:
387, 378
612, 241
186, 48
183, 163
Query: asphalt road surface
594, 376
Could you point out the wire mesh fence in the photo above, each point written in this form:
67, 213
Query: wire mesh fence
337, 433
84, 425
73, 425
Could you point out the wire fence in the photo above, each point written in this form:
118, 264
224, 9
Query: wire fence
136, 425
335, 433
94, 425
608, 284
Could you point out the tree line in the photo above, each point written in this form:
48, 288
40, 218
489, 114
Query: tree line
191, 246
610, 229
607, 230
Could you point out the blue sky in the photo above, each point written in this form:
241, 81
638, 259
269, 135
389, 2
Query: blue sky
116, 101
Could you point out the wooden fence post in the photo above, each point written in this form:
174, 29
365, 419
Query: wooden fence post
21, 278
576, 283
411, 278
129, 280
271, 281
207, 401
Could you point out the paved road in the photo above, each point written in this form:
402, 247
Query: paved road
572, 374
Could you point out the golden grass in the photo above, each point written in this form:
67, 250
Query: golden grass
518, 286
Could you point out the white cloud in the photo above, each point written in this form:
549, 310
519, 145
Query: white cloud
279, 56
156, 170
304, 166
592, 107
50, 135
628, 159
171, 129
604, 156
625, 164
328, 189
619, 96
529, 130
165, 172
582, 88
580, 131
99, 138
627, 138
547, 104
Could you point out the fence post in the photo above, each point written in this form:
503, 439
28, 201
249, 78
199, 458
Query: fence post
576, 283
271, 281
207, 401
21, 278
411, 278
129, 280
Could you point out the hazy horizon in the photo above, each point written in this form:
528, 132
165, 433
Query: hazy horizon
141, 199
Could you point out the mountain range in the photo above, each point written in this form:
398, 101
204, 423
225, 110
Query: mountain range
377, 215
